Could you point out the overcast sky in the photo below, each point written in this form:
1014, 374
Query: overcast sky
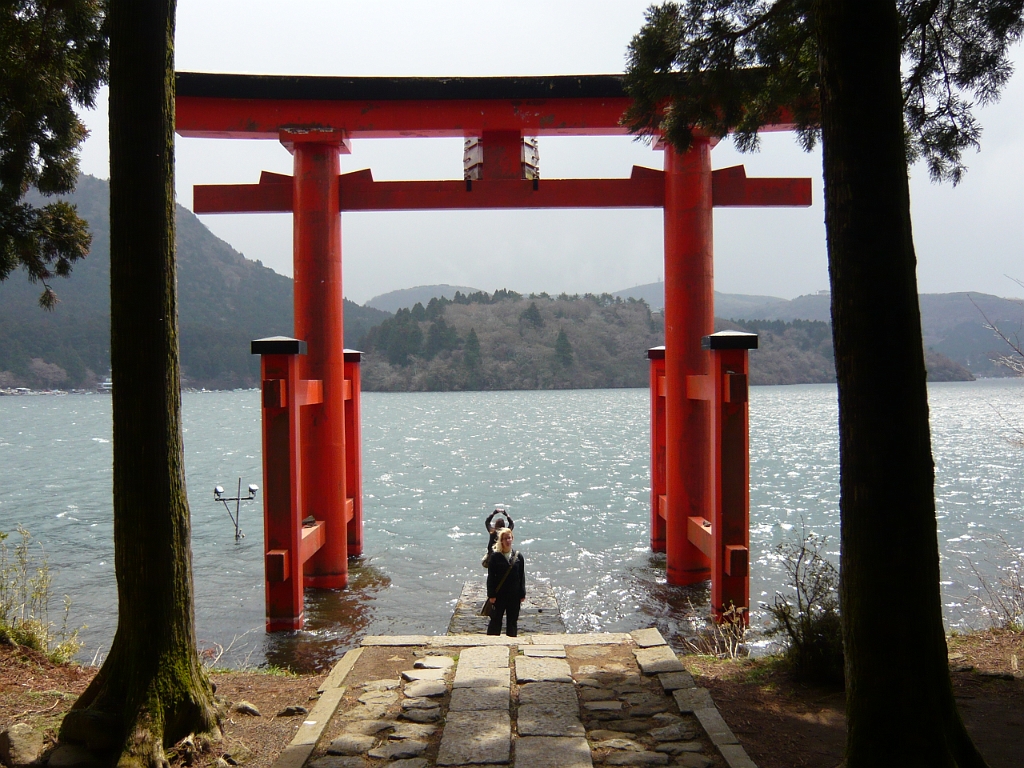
968, 238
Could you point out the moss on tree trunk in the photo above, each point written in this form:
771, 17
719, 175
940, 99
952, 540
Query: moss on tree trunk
151, 690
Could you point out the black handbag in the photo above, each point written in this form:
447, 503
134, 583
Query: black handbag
488, 607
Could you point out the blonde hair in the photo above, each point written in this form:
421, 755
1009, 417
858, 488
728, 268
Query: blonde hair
497, 538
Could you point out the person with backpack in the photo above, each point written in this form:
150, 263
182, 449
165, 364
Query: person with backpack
506, 584
492, 526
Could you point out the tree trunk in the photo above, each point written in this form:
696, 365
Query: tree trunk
899, 700
151, 690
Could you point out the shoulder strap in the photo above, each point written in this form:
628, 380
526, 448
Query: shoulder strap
510, 565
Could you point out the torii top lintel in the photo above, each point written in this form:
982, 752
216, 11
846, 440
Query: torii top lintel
262, 106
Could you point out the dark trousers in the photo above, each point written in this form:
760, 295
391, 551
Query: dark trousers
509, 608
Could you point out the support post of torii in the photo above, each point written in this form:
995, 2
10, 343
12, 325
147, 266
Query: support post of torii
319, 322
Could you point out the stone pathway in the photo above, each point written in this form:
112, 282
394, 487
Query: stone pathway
538, 615
536, 701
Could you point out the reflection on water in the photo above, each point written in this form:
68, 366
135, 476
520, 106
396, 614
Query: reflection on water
335, 619
572, 466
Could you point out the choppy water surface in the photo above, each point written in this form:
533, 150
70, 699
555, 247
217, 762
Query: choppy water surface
572, 466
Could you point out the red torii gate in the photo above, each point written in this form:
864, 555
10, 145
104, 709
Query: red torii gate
317, 117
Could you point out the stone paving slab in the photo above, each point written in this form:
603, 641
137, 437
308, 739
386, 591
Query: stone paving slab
434, 662
396, 640
560, 695
543, 652
461, 641
479, 699
647, 638
396, 750
483, 657
715, 726
592, 638
638, 759
549, 709
411, 731
542, 670
691, 699
412, 675
481, 678
674, 681
472, 739
338, 761
661, 658
426, 688
532, 720
552, 752
736, 756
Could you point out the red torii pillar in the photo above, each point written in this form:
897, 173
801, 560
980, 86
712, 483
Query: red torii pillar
689, 315
319, 323
687, 463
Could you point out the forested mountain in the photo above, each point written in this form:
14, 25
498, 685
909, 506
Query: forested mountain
800, 352
955, 325
508, 341
225, 301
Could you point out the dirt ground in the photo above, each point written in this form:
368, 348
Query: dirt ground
37, 692
781, 724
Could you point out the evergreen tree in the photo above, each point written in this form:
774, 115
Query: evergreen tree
471, 351
151, 690
53, 57
400, 337
563, 350
833, 67
441, 337
531, 316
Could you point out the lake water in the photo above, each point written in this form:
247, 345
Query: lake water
572, 466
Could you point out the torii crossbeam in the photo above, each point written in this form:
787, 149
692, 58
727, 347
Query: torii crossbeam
316, 118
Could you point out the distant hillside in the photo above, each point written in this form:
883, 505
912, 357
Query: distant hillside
508, 341
406, 298
800, 352
225, 301
726, 304
953, 324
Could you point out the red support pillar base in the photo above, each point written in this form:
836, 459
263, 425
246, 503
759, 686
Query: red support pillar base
725, 537
282, 494
659, 501
353, 453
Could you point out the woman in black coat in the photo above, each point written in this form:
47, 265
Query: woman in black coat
507, 569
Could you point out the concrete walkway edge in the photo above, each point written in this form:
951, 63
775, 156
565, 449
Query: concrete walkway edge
331, 692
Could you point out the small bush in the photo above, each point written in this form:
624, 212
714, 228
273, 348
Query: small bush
1003, 601
25, 594
724, 639
809, 619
